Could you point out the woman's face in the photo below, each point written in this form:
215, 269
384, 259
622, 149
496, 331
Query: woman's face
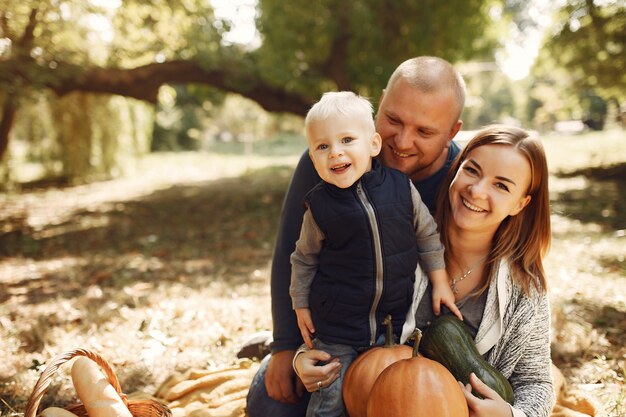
491, 184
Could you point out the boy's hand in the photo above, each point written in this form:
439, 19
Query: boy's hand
442, 294
305, 323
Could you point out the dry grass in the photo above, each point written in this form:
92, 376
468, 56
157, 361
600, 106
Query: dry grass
169, 270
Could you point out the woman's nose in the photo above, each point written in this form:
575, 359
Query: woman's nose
478, 190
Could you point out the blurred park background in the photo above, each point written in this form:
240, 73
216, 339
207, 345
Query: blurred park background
145, 148
87, 87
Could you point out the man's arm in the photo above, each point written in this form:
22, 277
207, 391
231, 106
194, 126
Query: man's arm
286, 333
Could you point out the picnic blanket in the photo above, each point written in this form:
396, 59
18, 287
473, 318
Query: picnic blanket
206, 392
222, 393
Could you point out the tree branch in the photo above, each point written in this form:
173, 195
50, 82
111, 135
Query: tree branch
28, 36
143, 83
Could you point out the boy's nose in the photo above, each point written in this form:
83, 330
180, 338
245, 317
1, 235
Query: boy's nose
336, 151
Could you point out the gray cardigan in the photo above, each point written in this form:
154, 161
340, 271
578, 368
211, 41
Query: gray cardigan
514, 337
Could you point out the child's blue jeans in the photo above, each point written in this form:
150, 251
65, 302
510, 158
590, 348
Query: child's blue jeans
328, 401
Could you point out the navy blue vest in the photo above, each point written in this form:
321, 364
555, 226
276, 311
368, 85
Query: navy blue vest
343, 290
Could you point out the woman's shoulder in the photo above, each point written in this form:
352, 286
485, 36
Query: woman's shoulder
534, 296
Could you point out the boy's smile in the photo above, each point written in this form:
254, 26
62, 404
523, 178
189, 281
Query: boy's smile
341, 148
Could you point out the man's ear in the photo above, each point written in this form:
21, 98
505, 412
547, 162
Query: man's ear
377, 144
520, 206
455, 129
382, 95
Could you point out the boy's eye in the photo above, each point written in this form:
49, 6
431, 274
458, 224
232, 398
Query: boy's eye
347, 139
322, 147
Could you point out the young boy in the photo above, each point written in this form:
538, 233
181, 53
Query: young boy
363, 232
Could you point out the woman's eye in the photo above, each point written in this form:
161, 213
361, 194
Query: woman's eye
502, 186
470, 170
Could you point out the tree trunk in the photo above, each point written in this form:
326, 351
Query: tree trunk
6, 123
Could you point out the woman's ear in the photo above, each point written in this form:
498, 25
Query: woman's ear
520, 206
377, 144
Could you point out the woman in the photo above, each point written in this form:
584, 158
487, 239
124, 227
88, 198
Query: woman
494, 208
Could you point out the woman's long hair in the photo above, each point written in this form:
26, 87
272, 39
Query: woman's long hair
523, 239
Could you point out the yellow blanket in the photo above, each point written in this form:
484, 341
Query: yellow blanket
222, 393
208, 393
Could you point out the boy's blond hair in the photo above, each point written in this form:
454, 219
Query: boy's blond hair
343, 103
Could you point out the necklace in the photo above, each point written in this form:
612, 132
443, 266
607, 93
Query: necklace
456, 280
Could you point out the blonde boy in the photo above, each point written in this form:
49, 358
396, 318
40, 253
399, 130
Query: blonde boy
363, 233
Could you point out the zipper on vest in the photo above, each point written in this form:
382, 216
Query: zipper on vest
378, 279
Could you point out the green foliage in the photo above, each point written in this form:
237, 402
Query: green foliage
182, 114
162, 30
491, 99
311, 46
590, 42
307, 47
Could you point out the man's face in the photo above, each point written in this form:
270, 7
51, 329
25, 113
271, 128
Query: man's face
416, 128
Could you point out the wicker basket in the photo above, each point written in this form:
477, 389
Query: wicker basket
138, 408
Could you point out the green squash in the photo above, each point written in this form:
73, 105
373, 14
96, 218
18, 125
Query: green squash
448, 341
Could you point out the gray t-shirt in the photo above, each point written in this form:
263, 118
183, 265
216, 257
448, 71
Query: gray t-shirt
471, 307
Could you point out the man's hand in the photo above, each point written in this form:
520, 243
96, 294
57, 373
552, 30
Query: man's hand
281, 382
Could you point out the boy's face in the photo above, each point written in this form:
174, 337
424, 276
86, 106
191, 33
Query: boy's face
341, 148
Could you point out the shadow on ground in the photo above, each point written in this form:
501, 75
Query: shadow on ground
190, 233
602, 200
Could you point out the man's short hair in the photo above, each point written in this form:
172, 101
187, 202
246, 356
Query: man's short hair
431, 74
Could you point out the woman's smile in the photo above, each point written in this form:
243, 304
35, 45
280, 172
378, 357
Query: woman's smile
471, 206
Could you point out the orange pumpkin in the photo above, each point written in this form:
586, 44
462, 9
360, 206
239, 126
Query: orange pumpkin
416, 387
362, 373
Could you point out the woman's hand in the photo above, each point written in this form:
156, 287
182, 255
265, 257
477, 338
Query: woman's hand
315, 376
492, 405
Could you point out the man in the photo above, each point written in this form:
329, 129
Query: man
418, 116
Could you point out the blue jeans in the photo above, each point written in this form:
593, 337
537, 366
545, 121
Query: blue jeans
328, 401
259, 404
